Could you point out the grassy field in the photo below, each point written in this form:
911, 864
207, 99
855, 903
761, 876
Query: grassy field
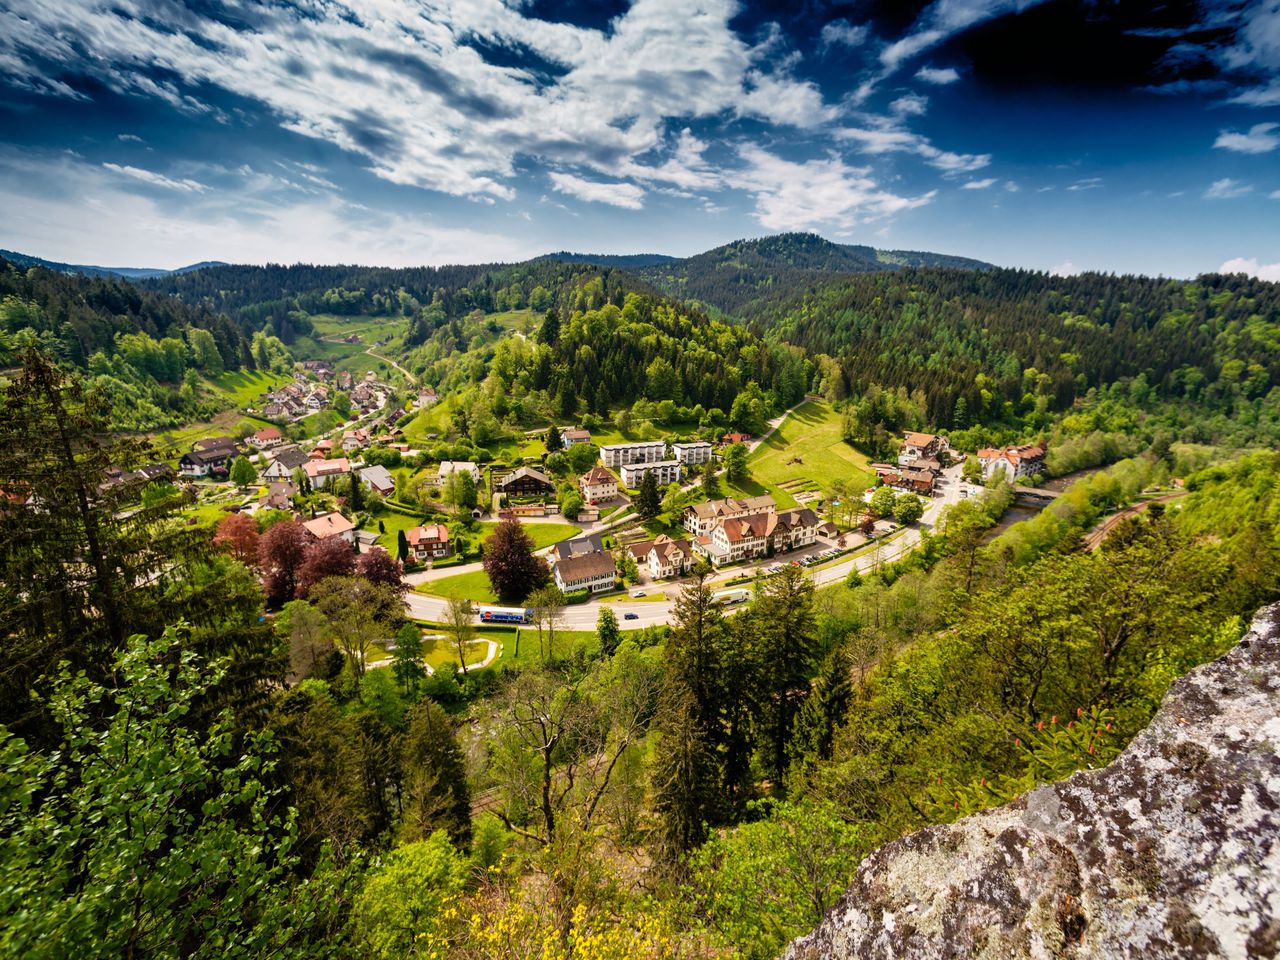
525, 321
244, 387
543, 534
393, 521
464, 586
806, 452
446, 651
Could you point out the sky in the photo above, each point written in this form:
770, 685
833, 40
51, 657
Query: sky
1064, 136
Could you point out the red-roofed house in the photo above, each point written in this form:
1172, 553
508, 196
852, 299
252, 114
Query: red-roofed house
1013, 462
320, 472
331, 525
266, 438
428, 543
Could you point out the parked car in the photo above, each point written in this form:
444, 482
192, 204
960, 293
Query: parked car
637, 594
631, 616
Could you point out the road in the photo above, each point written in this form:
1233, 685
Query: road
1094, 537
649, 613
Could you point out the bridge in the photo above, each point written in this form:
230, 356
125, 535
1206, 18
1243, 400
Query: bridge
1031, 497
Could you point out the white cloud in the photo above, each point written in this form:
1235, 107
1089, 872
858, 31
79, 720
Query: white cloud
1255, 53
1263, 271
944, 19
129, 138
938, 76
978, 184
911, 104
1011, 186
1260, 139
1226, 189
794, 195
626, 195
1088, 183
157, 179
843, 33
1064, 269
1274, 195
885, 136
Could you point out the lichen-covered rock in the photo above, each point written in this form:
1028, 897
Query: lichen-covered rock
1171, 851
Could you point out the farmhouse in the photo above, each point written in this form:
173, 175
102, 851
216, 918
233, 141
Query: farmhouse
379, 480
922, 446
662, 556
331, 525
699, 518
575, 435
665, 472
266, 438
1014, 462
598, 484
429, 542
595, 572
525, 482
731, 438
320, 472
284, 461
692, 453
620, 454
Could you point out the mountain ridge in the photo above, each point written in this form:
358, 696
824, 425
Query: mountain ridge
91, 270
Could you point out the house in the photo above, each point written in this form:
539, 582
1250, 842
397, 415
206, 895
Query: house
146, 474
1014, 462
758, 535
279, 495
449, 466
578, 546
362, 395
323, 447
662, 556
379, 480
320, 472
215, 443
692, 453
525, 482
731, 438
284, 462
922, 446
598, 484
266, 438
314, 402
699, 518
664, 471
595, 572
354, 439
277, 410
429, 542
331, 525
619, 454
917, 480
426, 397
575, 435
201, 463
343, 380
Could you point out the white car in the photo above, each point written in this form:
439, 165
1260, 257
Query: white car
637, 594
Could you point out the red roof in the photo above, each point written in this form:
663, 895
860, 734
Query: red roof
432, 533
268, 433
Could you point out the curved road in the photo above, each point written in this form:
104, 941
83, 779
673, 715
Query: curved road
650, 613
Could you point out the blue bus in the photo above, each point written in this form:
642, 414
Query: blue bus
505, 615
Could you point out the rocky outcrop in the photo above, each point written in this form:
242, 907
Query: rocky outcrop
1173, 850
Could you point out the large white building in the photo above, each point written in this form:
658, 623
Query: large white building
665, 472
699, 518
620, 454
692, 453
1014, 462
589, 571
757, 535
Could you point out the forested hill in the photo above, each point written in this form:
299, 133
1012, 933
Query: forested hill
128, 273
630, 261
984, 338
734, 278
79, 316
282, 297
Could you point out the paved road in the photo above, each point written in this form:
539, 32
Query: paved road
657, 612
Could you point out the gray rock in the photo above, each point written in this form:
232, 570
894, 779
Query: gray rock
1173, 850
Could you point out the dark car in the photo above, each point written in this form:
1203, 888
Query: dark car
631, 616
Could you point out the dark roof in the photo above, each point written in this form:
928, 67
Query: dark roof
215, 443
528, 472
291, 458
214, 456
588, 566
579, 546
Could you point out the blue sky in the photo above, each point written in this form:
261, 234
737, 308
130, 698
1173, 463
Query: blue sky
1098, 135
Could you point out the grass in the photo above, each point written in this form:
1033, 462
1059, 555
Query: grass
243, 387
543, 534
394, 521
464, 586
446, 651
807, 451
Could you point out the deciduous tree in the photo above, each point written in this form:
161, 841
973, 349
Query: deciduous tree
513, 569
330, 557
280, 553
237, 534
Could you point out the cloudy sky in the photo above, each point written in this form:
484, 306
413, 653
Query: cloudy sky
1056, 135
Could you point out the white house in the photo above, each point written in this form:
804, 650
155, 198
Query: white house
449, 466
922, 446
379, 479
692, 453
620, 454
590, 571
1014, 462
757, 535
320, 472
598, 484
266, 438
331, 525
575, 435
665, 472
284, 462
428, 542
662, 556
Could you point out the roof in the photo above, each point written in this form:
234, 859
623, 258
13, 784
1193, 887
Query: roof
214, 443
919, 439
268, 433
750, 527
591, 543
686, 444
586, 566
328, 525
634, 443
598, 474
1030, 451
711, 509
378, 475
577, 434
216, 455
291, 458
736, 437
327, 468
431, 533
449, 466
525, 472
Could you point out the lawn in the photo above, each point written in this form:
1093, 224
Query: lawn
472, 586
807, 451
446, 651
393, 521
543, 534
244, 387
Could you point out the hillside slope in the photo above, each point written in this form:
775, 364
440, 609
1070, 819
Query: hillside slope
88, 270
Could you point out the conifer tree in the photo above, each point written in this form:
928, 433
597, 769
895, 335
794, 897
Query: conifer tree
648, 500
